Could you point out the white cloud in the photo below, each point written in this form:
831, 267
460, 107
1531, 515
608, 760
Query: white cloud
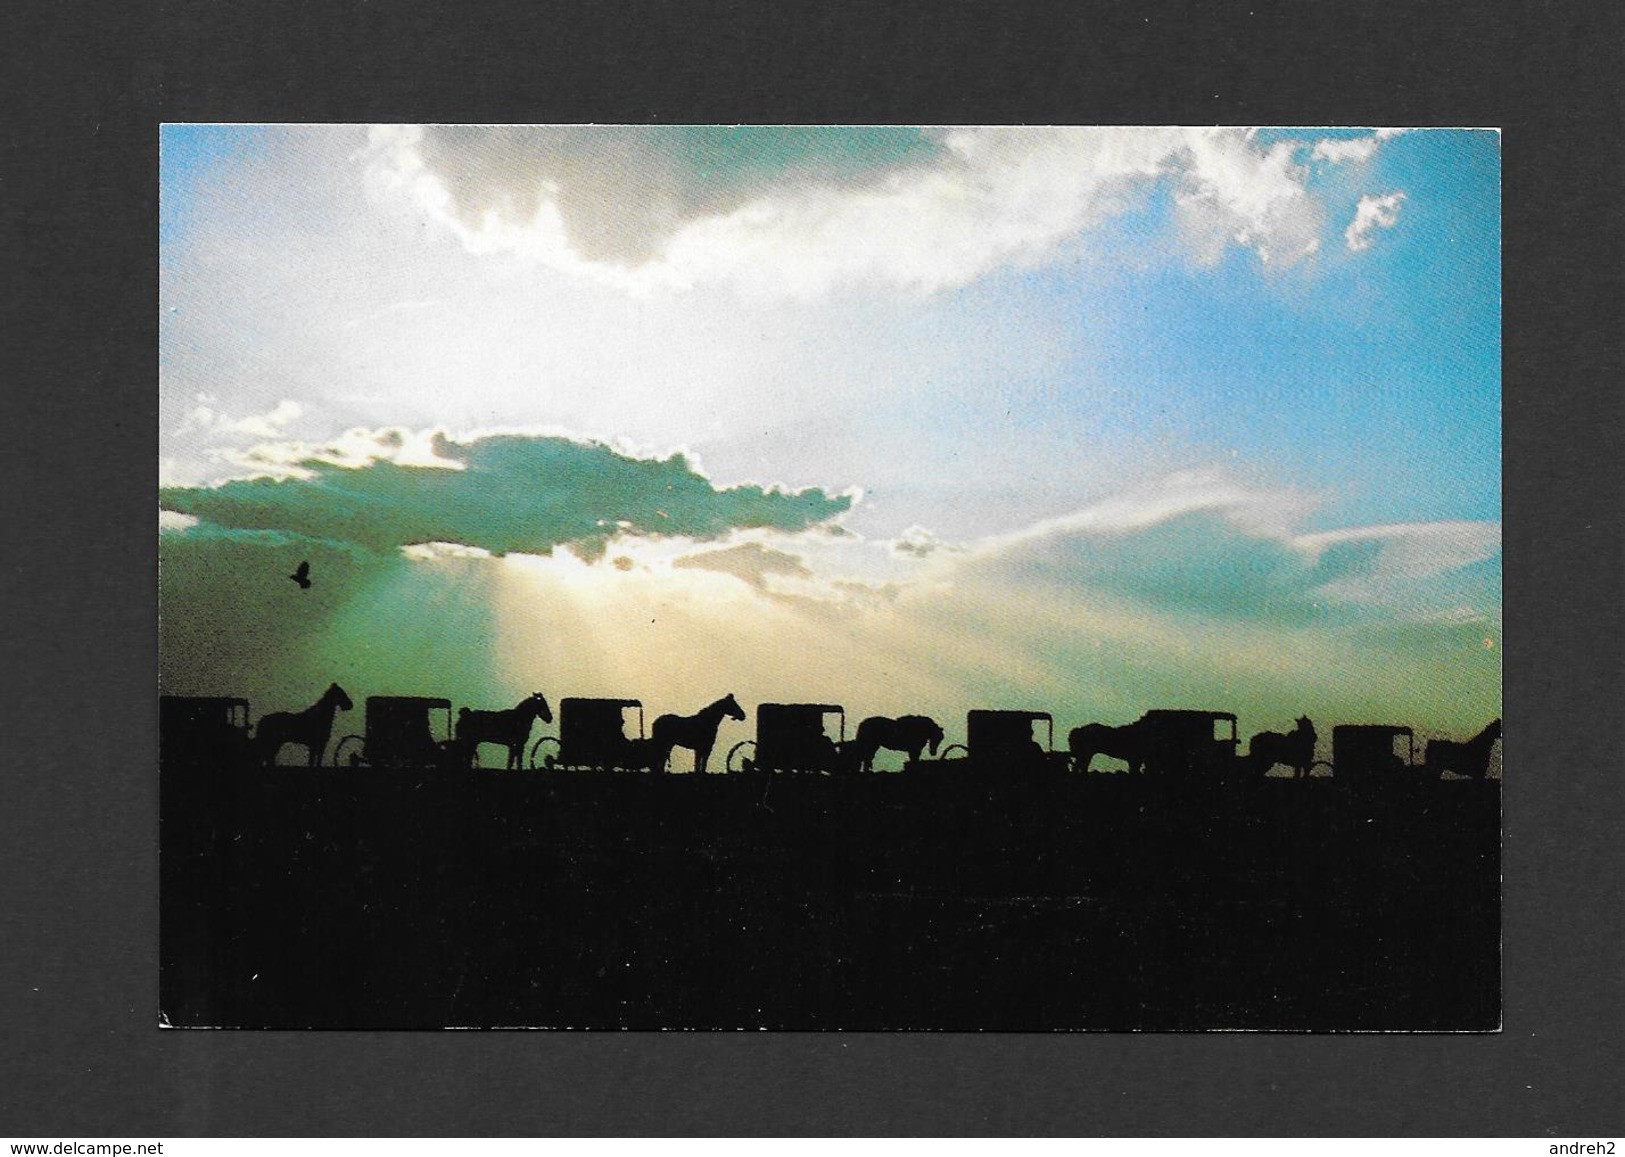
353, 449
987, 197
1240, 195
1357, 149
269, 424
1263, 511
434, 551
1370, 214
206, 418
1403, 555
917, 542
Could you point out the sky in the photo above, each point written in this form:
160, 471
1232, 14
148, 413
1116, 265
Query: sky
913, 420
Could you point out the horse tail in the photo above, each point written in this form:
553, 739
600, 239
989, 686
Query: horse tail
270, 736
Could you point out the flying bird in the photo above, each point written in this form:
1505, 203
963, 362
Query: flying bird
302, 576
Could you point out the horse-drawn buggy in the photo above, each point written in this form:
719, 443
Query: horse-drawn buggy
1002, 743
199, 731
1164, 742
794, 737
593, 737
1189, 743
1371, 751
404, 731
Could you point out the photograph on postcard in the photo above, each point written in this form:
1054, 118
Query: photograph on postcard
829, 578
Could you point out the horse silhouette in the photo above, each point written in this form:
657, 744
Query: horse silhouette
309, 728
697, 732
510, 728
910, 734
1471, 758
1092, 739
1296, 749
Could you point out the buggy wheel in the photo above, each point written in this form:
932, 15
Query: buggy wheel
1326, 763
544, 753
964, 752
737, 760
351, 752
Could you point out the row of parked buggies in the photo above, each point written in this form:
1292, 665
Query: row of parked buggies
609, 734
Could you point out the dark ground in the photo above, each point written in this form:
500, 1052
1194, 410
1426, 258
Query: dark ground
378, 899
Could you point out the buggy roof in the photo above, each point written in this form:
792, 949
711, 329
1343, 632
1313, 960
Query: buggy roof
578, 703
200, 702
801, 709
1181, 713
979, 714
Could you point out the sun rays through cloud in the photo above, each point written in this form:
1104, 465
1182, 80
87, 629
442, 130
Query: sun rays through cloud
1087, 420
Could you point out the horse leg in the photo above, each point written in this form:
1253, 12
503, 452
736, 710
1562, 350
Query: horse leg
702, 756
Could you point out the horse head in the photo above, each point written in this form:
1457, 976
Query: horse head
731, 708
335, 695
1493, 730
538, 704
934, 736
1306, 727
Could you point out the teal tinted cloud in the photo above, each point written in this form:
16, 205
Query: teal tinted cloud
1205, 564
513, 493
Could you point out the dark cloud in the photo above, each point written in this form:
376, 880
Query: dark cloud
513, 494
750, 562
621, 191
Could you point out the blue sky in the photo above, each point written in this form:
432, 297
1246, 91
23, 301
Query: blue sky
993, 354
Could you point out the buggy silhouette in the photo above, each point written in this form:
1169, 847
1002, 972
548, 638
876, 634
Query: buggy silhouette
196, 730
1370, 751
791, 737
1188, 743
592, 737
404, 731
1002, 743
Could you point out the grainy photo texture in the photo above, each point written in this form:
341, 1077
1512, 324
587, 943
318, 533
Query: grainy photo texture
1014, 579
